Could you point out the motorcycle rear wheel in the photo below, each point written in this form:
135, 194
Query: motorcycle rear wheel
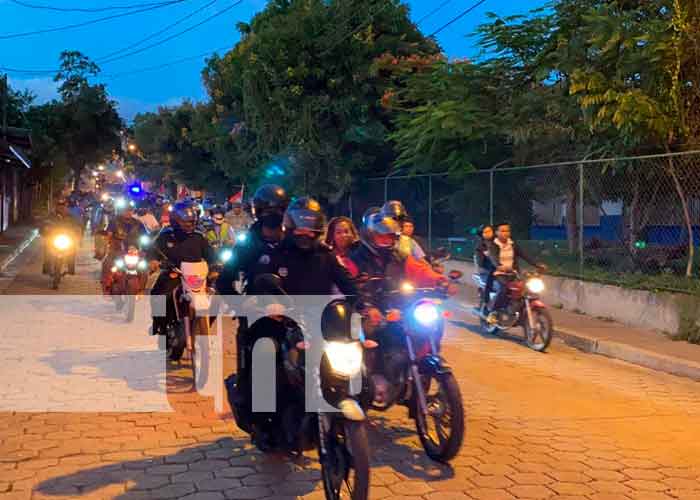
446, 410
346, 463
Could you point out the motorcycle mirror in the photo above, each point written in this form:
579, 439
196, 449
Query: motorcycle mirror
455, 274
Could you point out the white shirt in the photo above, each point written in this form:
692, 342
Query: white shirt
506, 256
150, 222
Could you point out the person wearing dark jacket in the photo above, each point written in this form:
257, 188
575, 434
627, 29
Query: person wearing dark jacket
483, 254
174, 245
259, 253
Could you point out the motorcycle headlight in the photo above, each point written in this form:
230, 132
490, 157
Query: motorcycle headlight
131, 260
407, 287
535, 285
144, 240
142, 265
345, 358
225, 255
119, 263
242, 237
426, 314
62, 242
105, 196
120, 203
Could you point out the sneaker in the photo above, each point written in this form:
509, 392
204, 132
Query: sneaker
492, 319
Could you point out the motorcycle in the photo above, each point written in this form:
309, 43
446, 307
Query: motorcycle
129, 277
192, 299
339, 437
409, 370
524, 309
62, 248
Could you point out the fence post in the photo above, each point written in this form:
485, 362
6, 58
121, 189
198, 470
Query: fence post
580, 218
491, 197
386, 188
430, 212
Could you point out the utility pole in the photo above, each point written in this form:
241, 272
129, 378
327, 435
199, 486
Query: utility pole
5, 98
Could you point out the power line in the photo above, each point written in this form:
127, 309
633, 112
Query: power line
157, 33
171, 37
457, 18
367, 21
439, 7
77, 9
87, 23
164, 65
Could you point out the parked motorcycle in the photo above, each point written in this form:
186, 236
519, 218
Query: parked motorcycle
407, 367
339, 437
61, 248
524, 309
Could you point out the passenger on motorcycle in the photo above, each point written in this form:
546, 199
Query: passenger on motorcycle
60, 220
341, 237
482, 258
259, 254
406, 244
174, 245
505, 258
221, 233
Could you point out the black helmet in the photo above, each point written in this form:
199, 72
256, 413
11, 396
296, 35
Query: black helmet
380, 232
269, 204
304, 213
395, 210
184, 216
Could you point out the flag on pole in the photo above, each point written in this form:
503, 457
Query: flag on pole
237, 197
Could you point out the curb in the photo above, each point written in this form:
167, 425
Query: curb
34, 234
630, 354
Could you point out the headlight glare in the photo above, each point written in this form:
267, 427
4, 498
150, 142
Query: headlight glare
345, 358
535, 285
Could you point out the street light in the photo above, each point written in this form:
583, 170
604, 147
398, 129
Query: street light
120, 174
132, 147
100, 167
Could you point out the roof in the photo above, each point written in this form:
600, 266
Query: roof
14, 147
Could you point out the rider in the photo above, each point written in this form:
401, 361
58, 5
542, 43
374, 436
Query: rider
302, 250
406, 244
237, 218
61, 219
174, 245
259, 254
506, 254
122, 232
221, 233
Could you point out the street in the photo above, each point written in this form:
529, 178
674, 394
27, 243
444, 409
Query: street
562, 425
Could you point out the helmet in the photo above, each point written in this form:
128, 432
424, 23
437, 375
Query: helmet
395, 210
184, 217
380, 232
304, 213
368, 212
269, 204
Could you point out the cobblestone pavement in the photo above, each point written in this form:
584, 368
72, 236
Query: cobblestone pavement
562, 425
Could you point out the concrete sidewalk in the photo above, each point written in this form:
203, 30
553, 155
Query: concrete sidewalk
14, 241
642, 347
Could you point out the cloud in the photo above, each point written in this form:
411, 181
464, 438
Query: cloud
45, 89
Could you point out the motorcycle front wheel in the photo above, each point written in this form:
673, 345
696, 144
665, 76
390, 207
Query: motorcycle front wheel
57, 273
441, 432
175, 341
539, 338
345, 465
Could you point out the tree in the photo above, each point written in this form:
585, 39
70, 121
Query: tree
642, 83
301, 79
88, 123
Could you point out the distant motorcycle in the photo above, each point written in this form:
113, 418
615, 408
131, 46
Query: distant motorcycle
524, 308
129, 277
61, 248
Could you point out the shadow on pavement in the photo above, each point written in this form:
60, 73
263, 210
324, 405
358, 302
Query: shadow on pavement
408, 459
225, 466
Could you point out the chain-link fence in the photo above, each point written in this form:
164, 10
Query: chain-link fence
631, 221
